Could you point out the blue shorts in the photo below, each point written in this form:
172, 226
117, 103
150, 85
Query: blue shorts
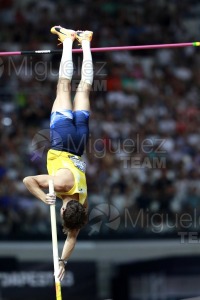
69, 131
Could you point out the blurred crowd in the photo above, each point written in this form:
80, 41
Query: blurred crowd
143, 155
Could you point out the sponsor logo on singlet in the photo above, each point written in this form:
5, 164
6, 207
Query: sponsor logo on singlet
81, 165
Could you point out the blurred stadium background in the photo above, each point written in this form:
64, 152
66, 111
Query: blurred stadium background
143, 156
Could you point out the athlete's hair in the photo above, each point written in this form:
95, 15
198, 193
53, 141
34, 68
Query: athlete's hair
75, 216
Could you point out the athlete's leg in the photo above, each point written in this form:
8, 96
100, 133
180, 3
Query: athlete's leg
63, 96
81, 100
61, 121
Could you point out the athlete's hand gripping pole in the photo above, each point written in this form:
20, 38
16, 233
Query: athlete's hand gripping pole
55, 244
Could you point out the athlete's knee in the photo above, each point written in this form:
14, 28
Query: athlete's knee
64, 85
84, 86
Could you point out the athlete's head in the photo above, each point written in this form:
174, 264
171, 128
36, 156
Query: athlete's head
74, 216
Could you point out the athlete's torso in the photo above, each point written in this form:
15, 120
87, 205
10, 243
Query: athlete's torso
64, 160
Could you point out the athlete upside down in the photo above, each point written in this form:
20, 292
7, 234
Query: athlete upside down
69, 133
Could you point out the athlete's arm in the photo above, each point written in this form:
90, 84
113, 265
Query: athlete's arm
67, 250
35, 184
63, 182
